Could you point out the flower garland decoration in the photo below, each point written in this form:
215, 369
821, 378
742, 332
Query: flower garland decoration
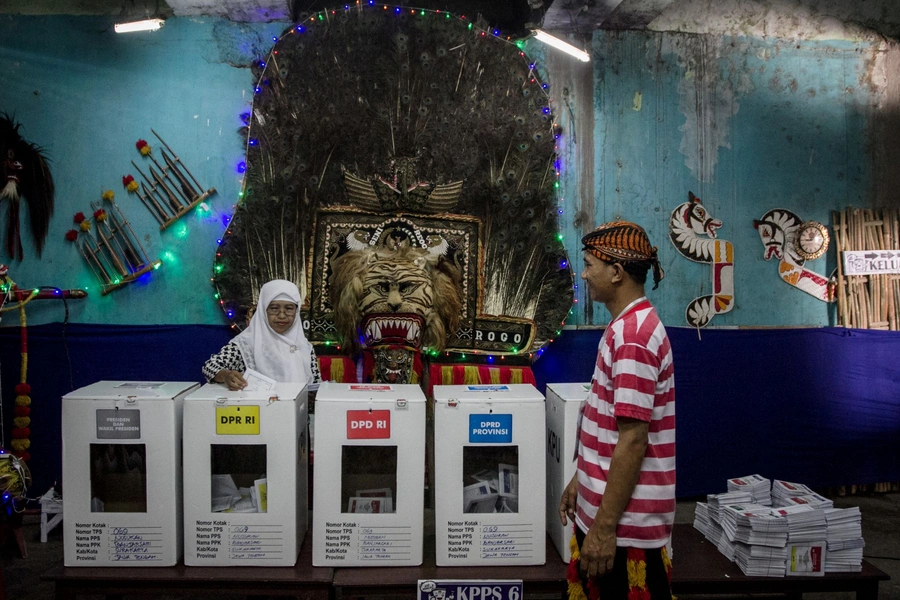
78, 219
21, 430
143, 147
84, 224
129, 184
14, 481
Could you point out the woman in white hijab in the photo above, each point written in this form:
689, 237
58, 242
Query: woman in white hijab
272, 344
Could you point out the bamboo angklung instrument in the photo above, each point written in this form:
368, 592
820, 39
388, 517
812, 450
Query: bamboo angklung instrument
153, 192
178, 161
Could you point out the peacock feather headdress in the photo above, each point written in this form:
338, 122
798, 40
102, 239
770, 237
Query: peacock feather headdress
381, 109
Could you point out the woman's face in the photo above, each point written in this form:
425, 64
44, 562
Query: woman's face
281, 315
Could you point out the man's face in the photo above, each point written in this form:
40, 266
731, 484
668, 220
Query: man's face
599, 276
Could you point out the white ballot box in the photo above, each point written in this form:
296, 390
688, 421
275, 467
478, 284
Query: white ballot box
564, 402
369, 480
488, 444
121, 447
246, 460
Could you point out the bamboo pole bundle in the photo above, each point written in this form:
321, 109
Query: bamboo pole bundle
859, 290
840, 231
887, 281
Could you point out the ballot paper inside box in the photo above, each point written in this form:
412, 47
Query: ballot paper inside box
489, 475
368, 489
122, 473
246, 457
564, 401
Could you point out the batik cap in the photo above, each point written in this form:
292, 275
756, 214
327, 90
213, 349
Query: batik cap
623, 241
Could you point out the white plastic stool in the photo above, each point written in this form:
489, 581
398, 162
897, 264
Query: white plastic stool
51, 504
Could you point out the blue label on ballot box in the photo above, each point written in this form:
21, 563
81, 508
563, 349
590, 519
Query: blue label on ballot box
488, 388
469, 589
490, 429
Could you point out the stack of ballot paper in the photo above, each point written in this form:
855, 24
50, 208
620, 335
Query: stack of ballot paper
761, 561
754, 524
711, 530
801, 535
805, 523
757, 539
759, 487
717, 501
845, 541
786, 489
494, 491
228, 497
374, 501
813, 499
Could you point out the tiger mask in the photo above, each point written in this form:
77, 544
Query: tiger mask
406, 297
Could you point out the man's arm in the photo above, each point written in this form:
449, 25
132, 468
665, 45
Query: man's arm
599, 548
569, 501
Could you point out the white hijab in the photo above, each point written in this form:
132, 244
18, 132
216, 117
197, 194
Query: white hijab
283, 357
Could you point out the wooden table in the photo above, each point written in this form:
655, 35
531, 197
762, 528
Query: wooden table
699, 568
547, 581
302, 580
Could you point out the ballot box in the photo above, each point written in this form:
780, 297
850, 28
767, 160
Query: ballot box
564, 402
369, 480
488, 445
121, 448
246, 460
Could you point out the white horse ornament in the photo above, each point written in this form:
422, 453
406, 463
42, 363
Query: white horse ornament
689, 222
777, 230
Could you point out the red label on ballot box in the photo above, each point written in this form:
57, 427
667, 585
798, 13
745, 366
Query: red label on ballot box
368, 425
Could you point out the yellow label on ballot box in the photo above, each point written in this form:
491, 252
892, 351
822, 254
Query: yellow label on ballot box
237, 420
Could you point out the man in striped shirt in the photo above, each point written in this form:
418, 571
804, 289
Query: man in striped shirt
622, 497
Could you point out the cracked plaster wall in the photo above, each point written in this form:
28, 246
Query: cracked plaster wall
746, 123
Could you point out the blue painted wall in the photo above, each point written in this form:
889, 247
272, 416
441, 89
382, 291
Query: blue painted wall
87, 95
747, 125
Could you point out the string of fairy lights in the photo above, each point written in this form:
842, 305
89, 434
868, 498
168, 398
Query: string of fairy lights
325, 17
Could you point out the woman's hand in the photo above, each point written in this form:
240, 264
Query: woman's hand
232, 379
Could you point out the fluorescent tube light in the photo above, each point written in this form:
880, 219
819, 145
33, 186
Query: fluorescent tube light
543, 36
145, 25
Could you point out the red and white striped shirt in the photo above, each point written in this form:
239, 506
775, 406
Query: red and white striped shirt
634, 378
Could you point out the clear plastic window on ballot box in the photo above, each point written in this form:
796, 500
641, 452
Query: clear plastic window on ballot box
119, 478
238, 481
490, 479
369, 479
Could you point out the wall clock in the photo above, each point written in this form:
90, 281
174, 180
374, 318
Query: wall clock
811, 240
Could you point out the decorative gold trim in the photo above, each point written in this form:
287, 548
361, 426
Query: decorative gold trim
826, 239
